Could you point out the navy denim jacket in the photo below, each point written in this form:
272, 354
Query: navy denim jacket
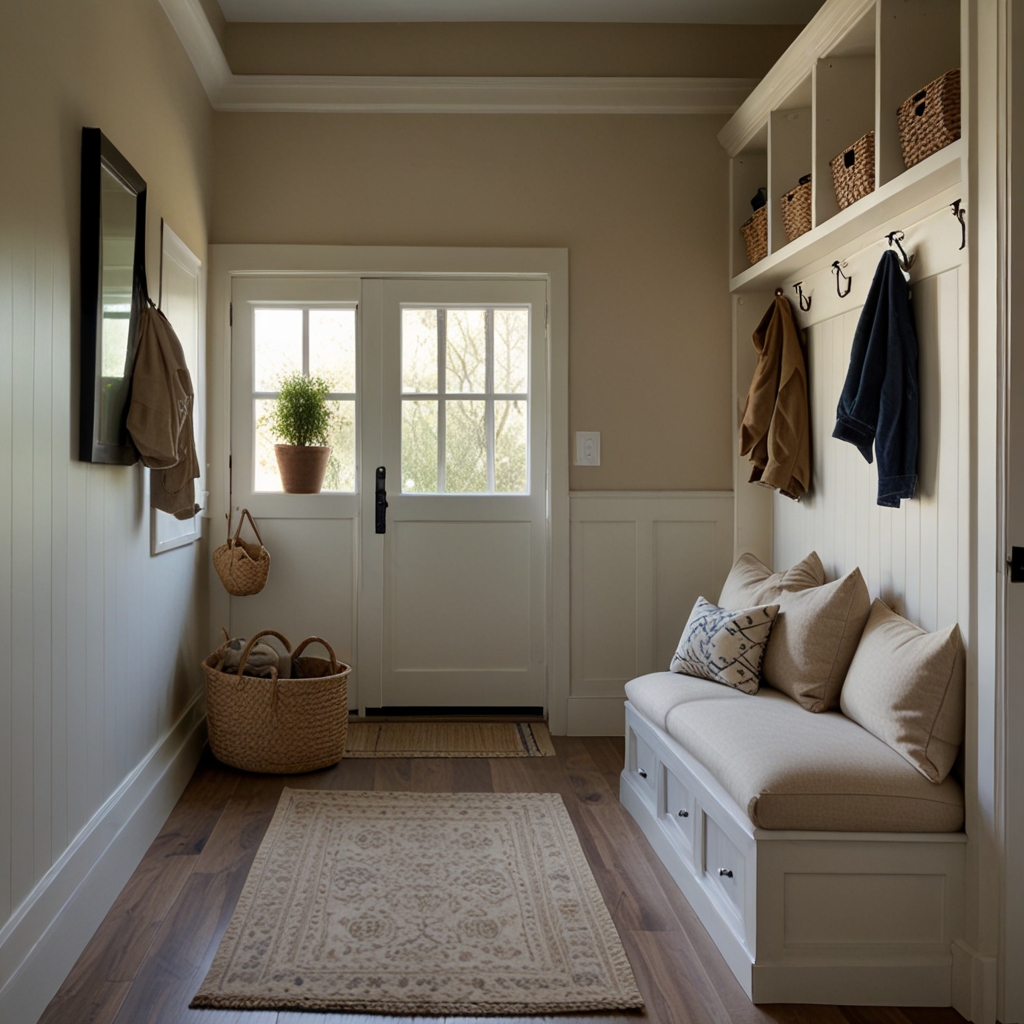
879, 400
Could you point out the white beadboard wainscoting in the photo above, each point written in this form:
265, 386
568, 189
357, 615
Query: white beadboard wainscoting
639, 562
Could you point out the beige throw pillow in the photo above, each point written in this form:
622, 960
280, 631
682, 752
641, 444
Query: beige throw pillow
752, 583
907, 687
814, 640
725, 646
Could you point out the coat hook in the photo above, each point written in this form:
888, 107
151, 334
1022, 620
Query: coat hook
906, 262
837, 269
778, 293
960, 212
804, 301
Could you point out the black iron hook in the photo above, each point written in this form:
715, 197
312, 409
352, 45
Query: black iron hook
837, 269
960, 212
906, 262
804, 301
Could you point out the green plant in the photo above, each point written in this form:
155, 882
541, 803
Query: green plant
301, 415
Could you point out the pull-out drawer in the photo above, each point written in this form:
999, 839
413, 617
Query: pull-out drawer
643, 764
680, 808
725, 871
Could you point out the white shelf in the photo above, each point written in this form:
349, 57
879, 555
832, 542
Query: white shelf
909, 189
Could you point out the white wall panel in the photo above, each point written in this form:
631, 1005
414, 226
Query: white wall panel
911, 556
639, 561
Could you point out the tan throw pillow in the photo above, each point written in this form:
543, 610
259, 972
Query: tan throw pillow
814, 640
725, 646
752, 583
907, 687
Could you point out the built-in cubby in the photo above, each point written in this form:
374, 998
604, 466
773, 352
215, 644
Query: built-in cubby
845, 76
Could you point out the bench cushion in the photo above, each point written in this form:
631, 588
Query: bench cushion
791, 770
655, 695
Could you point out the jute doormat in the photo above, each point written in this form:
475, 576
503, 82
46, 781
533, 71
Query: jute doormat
448, 739
420, 903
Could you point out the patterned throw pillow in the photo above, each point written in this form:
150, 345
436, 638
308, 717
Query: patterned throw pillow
726, 646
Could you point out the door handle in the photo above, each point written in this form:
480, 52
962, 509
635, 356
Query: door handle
381, 503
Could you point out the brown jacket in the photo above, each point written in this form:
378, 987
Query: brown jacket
775, 431
160, 415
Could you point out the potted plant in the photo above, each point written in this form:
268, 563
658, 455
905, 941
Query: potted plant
301, 420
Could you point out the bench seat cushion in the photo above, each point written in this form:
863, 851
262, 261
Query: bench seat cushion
791, 770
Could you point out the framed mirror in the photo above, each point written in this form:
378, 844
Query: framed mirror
113, 291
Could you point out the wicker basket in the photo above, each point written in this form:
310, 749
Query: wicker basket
796, 209
755, 235
930, 119
243, 567
277, 725
853, 171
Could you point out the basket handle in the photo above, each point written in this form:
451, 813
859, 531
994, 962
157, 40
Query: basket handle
252, 641
335, 666
246, 514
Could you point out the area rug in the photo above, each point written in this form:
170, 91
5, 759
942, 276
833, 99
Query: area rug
420, 903
448, 739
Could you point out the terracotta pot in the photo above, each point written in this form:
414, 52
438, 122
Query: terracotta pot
302, 466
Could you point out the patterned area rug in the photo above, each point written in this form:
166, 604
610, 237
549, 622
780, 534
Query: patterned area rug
448, 739
420, 903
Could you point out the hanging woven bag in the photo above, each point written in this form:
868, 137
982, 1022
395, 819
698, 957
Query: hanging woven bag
242, 566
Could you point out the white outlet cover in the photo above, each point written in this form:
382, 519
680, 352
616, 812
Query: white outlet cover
588, 448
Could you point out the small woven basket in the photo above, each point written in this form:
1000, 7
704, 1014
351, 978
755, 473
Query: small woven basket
930, 119
243, 567
755, 235
280, 726
853, 171
796, 209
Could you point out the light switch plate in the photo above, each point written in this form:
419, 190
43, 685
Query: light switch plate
588, 448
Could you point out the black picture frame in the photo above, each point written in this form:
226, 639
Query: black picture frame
111, 190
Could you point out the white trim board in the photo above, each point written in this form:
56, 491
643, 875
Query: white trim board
41, 941
433, 95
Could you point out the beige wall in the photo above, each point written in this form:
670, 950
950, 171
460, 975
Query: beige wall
640, 202
493, 48
99, 643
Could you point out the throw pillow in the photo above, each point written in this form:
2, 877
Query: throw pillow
752, 583
907, 687
814, 640
723, 645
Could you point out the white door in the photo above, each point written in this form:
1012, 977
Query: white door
443, 385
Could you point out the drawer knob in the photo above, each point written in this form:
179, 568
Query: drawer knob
684, 814
724, 873
642, 773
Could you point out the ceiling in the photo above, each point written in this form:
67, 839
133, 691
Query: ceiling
757, 12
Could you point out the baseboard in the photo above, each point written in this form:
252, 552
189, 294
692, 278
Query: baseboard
975, 984
45, 936
596, 716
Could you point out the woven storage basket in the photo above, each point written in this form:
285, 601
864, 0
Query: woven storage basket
281, 726
853, 171
796, 209
755, 235
930, 119
243, 567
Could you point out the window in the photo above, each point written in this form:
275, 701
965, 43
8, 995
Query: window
314, 341
465, 400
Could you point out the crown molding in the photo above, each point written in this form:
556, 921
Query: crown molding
428, 95
832, 22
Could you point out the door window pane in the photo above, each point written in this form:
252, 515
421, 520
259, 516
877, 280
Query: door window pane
341, 467
466, 351
278, 346
465, 450
332, 348
419, 351
419, 447
511, 351
510, 447
266, 477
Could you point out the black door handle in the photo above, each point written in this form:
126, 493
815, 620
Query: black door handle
382, 501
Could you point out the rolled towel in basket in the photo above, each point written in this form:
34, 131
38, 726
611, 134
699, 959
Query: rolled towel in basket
263, 659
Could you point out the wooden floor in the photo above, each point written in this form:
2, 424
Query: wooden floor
153, 949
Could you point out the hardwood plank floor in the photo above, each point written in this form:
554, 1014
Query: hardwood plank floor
153, 949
